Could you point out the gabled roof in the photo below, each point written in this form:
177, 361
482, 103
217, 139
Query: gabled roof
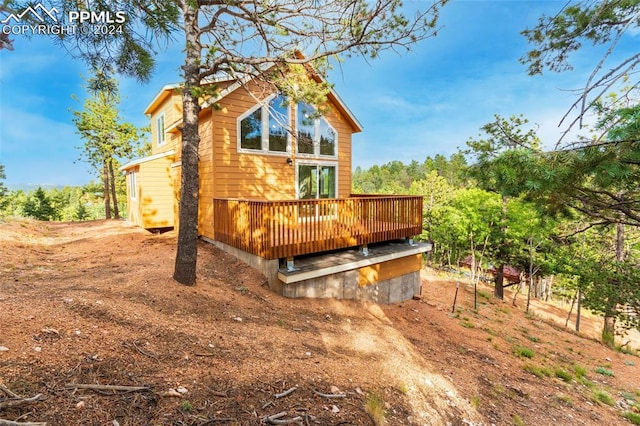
161, 96
169, 88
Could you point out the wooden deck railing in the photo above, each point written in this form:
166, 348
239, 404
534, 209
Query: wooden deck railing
278, 229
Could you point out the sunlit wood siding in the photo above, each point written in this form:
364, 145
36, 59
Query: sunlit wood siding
176, 175
207, 182
133, 200
390, 269
266, 175
155, 193
169, 105
246, 175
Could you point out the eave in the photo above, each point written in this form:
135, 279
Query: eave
141, 160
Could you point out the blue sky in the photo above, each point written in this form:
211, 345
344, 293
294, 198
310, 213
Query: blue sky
426, 102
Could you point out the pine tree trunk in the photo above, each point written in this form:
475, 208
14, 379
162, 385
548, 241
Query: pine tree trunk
187, 253
114, 197
499, 280
499, 288
609, 328
107, 199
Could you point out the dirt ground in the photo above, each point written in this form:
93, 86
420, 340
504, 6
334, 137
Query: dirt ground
85, 306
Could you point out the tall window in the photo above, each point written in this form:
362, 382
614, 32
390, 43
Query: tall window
133, 189
160, 132
251, 130
306, 129
315, 134
278, 124
265, 128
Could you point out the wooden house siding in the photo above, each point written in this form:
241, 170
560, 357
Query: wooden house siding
176, 176
153, 204
267, 175
133, 206
156, 198
389, 269
171, 106
206, 178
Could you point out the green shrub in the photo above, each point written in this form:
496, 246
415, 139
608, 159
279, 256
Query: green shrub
564, 375
375, 407
467, 324
580, 370
475, 402
604, 371
539, 372
603, 397
564, 400
517, 420
483, 295
586, 382
523, 352
632, 417
186, 406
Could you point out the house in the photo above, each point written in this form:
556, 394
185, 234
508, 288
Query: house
275, 190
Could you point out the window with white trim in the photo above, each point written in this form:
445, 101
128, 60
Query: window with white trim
133, 189
315, 135
160, 130
316, 180
266, 127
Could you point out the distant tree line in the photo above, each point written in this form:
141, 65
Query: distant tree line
69, 203
569, 216
107, 141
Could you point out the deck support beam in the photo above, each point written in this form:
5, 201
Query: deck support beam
290, 265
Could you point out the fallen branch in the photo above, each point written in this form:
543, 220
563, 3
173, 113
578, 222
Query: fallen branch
4, 422
21, 401
285, 393
221, 420
330, 395
143, 352
107, 387
297, 420
8, 391
276, 416
134, 345
277, 419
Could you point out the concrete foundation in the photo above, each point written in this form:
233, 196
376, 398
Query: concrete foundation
339, 275
345, 285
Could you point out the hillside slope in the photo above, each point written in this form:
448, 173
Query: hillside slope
93, 304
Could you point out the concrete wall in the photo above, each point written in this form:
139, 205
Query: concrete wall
344, 285
341, 285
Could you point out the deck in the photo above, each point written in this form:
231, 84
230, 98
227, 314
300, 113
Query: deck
283, 229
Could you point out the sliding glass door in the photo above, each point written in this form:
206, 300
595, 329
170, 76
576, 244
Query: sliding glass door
316, 181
